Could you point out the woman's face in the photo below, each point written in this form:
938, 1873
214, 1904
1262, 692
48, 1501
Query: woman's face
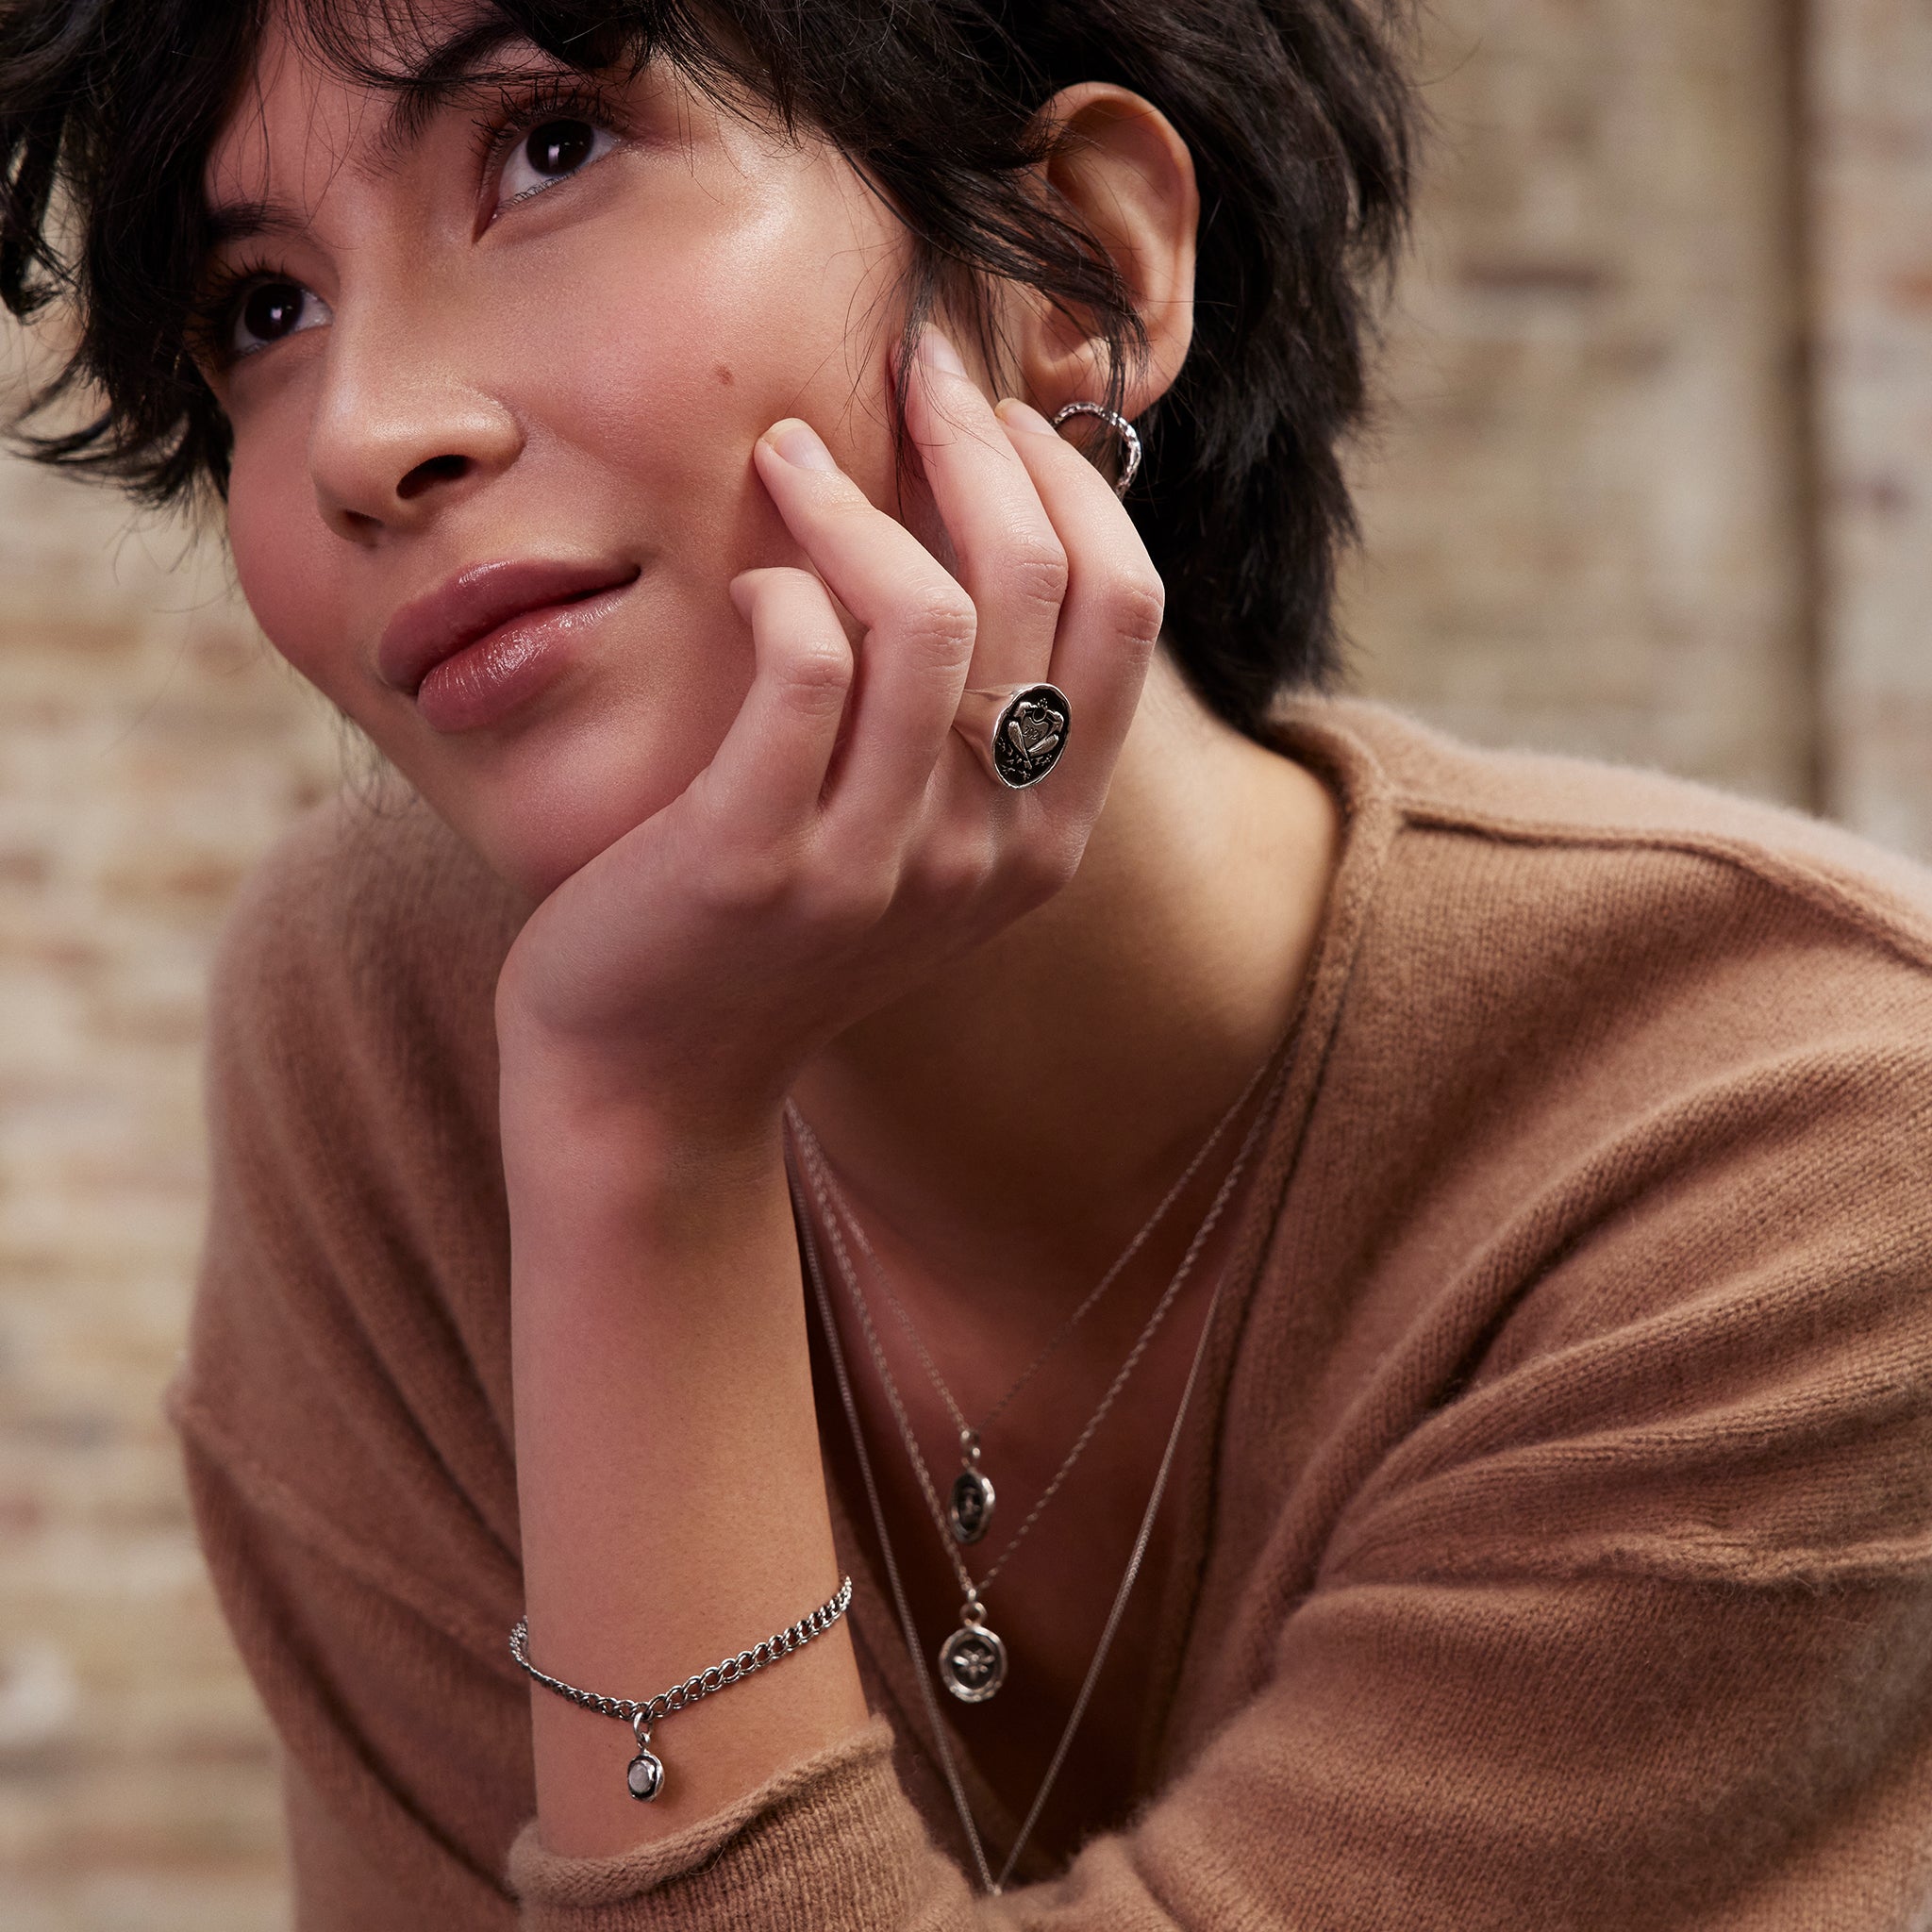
522, 354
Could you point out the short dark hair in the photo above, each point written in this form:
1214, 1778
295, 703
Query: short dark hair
1298, 113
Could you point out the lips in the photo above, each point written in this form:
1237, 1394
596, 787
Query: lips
479, 600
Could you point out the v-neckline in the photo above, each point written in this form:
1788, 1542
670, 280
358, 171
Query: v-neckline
1368, 821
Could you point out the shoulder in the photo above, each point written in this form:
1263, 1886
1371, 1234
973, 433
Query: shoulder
1620, 1154
1596, 815
348, 1356
355, 1209
1611, 1040
371, 888
364, 949
1578, 918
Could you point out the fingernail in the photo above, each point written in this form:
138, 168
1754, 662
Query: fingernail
798, 444
1018, 415
940, 353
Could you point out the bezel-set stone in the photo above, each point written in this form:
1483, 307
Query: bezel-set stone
971, 1507
644, 1775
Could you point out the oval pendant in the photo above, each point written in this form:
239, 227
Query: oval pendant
973, 1663
1029, 734
645, 1776
972, 1506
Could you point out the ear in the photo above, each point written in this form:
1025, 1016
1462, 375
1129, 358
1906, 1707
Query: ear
1119, 171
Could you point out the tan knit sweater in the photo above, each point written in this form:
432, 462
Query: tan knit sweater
1555, 1544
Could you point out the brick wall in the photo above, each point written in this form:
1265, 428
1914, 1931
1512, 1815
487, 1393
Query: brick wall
1653, 479
149, 749
1584, 503
1867, 93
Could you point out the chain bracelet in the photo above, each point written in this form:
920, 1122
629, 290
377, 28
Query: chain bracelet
646, 1773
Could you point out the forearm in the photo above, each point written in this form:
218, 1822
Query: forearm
671, 1497
829, 858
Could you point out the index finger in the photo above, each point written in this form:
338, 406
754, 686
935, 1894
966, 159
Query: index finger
920, 626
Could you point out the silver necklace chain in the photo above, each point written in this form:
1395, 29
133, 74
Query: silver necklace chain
972, 1662
970, 1433
823, 1186
996, 1886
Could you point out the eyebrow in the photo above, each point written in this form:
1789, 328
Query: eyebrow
442, 73
237, 220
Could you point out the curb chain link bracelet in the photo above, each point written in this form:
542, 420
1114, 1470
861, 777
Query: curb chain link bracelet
644, 1775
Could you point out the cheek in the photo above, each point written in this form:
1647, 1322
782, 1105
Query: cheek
279, 544
670, 360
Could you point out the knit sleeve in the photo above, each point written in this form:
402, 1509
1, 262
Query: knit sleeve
1636, 1630
343, 1403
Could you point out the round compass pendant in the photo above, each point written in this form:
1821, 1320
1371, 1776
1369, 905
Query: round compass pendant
971, 1508
973, 1663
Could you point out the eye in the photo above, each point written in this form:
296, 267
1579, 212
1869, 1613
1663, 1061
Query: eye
552, 151
270, 310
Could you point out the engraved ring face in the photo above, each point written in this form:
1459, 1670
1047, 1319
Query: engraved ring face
972, 1664
1030, 734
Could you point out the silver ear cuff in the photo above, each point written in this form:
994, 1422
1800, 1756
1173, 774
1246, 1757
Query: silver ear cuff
1130, 439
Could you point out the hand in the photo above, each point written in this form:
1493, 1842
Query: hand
845, 841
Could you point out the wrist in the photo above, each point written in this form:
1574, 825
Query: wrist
587, 1147
566, 1098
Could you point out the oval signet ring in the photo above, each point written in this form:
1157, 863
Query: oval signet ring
1129, 436
1019, 730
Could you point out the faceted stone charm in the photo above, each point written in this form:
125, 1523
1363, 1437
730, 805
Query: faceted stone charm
973, 1663
972, 1506
645, 1776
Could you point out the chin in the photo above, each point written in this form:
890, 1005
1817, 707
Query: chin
554, 801
534, 860
534, 841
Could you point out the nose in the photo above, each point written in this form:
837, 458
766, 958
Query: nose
402, 430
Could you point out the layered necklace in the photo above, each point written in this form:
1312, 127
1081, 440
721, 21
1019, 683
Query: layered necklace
970, 1504
973, 1660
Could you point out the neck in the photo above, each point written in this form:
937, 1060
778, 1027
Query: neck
1017, 1116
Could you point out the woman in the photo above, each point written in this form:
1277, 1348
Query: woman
1133, 1296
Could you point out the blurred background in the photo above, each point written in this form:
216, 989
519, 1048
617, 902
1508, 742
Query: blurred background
1653, 480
